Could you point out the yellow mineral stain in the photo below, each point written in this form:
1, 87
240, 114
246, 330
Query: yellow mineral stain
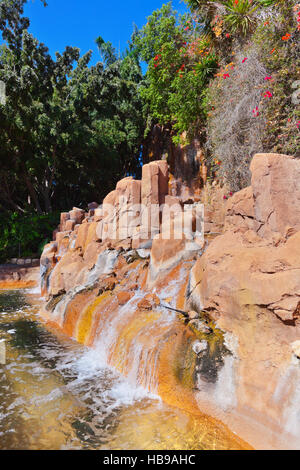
120, 356
84, 324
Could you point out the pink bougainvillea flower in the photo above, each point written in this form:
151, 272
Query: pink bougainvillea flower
226, 75
268, 94
224, 197
227, 35
244, 60
298, 124
268, 78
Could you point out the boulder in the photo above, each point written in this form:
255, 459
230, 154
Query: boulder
276, 191
240, 211
82, 236
70, 224
124, 297
93, 205
64, 216
77, 214
233, 274
144, 304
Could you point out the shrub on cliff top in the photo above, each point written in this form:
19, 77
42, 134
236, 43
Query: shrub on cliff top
180, 62
235, 119
250, 101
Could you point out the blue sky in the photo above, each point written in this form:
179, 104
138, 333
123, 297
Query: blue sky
78, 23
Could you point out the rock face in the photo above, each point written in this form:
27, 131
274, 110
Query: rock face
19, 276
241, 289
276, 192
248, 279
258, 257
131, 216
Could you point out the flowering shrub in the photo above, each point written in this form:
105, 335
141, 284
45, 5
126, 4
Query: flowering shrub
180, 63
250, 105
225, 73
279, 46
235, 124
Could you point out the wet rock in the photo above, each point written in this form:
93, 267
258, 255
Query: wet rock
192, 315
149, 302
296, 348
16, 276
166, 253
124, 297
143, 253
144, 304
199, 346
153, 299
199, 326
108, 284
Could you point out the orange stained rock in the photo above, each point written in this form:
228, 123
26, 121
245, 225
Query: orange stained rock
103, 313
91, 234
82, 236
175, 387
133, 328
85, 321
11, 285
124, 297
145, 304
74, 309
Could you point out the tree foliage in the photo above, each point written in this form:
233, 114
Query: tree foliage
69, 130
180, 63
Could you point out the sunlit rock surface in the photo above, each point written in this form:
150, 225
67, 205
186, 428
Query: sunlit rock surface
244, 284
248, 279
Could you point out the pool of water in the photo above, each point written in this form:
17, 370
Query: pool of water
57, 394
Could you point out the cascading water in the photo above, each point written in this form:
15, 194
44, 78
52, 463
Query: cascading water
58, 394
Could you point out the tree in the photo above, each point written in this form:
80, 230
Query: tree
68, 131
180, 63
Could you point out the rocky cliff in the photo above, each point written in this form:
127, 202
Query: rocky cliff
210, 325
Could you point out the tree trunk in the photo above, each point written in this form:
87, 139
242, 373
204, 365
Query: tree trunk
33, 194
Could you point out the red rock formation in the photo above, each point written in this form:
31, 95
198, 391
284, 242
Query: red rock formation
248, 279
246, 282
